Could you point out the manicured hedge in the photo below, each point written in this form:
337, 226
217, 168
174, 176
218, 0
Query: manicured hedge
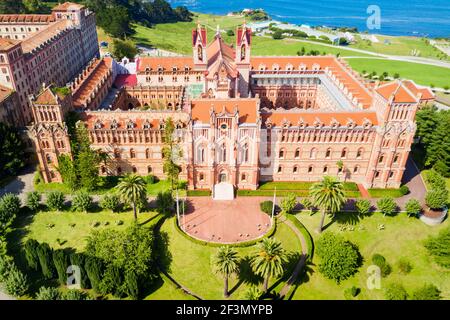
305, 232
299, 185
199, 193
382, 193
284, 193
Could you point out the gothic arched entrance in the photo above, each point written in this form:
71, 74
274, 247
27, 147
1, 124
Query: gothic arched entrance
222, 176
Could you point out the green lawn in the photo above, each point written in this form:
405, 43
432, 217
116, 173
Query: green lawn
263, 46
383, 193
191, 262
401, 46
422, 74
38, 226
168, 289
401, 238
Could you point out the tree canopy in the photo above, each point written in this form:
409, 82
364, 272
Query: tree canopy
12, 151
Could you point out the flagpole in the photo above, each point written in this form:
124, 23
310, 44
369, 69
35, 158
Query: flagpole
178, 211
273, 204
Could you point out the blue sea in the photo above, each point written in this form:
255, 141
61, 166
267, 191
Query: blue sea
429, 18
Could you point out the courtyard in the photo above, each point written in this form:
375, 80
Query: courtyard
225, 221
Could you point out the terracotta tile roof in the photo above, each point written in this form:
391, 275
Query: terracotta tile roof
396, 89
122, 118
86, 88
244, 32
201, 33
427, 94
26, 18
337, 68
220, 54
38, 38
167, 63
125, 80
6, 44
68, 6
247, 108
4, 93
278, 119
48, 97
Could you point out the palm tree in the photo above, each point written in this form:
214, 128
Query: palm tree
131, 189
226, 263
328, 195
104, 158
269, 260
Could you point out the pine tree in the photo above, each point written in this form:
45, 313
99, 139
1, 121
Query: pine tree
31, 254
94, 270
45, 260
61, 262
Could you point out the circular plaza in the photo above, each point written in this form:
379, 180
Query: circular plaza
225, 221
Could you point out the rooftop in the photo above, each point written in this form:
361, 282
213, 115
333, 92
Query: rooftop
4, 93
26, 18
201, 109
38, 38
6, 44
67, 6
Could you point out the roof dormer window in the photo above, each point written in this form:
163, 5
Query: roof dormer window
130, 125
114, 124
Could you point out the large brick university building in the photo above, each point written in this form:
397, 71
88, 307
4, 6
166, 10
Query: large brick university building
240, 119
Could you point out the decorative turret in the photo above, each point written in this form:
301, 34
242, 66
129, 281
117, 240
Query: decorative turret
199, 42
243, 44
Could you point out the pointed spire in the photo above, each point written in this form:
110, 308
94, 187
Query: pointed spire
218, 31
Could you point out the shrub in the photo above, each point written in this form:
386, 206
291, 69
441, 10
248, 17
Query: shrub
289, 202
44, 253
74, 294
55, 200
413, 207
164, 202
439, 247
16, 283
266, 207
31, 255
182, 185
78, 259
82, 202
11, 203
387, 206
277, 35
61, 262
230, 33
395, 291
111, 281
150, 179
94, 270
49, 293
363, 207
404, 190
380, 261
352, 292
427, 292
253, 293
110, 202
33, 200
131, 285
436, 199
435, 180
339, 259
6, 264
404, 266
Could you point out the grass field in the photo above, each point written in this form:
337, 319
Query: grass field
422, 74
191, 262
401, 46
382, 193
38, 226
402, 238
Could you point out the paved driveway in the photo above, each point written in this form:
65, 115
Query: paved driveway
21, 184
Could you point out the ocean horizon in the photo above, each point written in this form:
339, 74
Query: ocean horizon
400, 18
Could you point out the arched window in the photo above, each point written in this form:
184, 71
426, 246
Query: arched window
243, 177
223, 153
280, 169
49, 158
132, 154
117, 154
396, 157
147, 153
356, 169
295, 169
201, 177
297, 153
344, 153
381, 158
281, 154
359, 153
328, 153
391, 174
377, 174
313, 153
310, 169
245, 153
201, 154
134, 169
103, 170
325, 169
149, 169
119, 171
